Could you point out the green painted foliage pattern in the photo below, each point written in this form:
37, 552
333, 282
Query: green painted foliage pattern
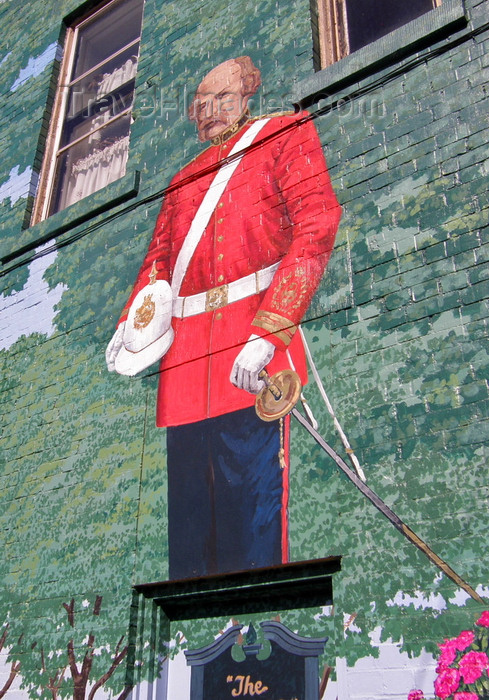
397, 329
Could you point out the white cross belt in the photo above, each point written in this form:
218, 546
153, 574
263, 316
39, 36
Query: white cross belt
218, 297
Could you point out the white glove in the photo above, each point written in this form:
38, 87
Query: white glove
254, 356
113, 347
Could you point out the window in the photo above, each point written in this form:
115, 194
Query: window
344, 26
87, 146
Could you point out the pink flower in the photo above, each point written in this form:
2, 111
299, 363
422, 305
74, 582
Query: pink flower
447, 682
483, 620
448, 653
465, 696
418, 695
472, 665
464, 640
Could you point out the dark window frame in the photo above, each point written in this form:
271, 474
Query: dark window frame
331, 32
54, 149
421, 36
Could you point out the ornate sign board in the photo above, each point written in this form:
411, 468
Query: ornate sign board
289, 671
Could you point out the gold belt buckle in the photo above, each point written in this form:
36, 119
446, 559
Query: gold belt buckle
216, 298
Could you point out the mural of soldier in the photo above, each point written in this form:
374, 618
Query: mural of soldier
242, 240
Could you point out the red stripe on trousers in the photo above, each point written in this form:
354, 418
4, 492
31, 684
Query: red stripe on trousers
285, 492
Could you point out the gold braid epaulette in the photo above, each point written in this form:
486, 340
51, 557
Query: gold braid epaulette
279, 326
287, 113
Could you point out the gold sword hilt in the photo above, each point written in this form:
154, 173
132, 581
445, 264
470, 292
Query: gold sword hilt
279, 395
272, 388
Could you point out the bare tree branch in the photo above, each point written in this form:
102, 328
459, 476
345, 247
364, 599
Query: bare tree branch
75, 673
125, 692
118, 657
324, 680
55, 683
81, 675
4, 636
14, 666
14, 669
70, 609
87, 659
97, 605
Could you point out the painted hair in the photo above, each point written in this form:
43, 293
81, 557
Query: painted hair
250, 80
250, 75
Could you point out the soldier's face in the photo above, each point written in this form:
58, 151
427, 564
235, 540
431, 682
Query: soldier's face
219, 101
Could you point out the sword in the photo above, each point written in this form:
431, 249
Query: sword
284, 390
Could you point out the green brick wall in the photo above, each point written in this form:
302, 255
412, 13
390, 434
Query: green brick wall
398, 330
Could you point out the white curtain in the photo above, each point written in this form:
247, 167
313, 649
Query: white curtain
96, 170
121, 75
107, 161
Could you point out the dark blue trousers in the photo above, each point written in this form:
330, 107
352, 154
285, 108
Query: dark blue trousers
224, 495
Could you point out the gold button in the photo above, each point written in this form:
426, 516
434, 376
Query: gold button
220, 238
219, 221
220, 278
218, 315
221, 204
220, 256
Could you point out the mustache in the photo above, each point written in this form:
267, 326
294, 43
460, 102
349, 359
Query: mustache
207, 122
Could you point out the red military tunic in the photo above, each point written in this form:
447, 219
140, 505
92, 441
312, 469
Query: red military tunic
278, 207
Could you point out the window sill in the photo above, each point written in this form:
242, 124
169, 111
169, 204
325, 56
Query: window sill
308, 583
386, 50
88, 208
